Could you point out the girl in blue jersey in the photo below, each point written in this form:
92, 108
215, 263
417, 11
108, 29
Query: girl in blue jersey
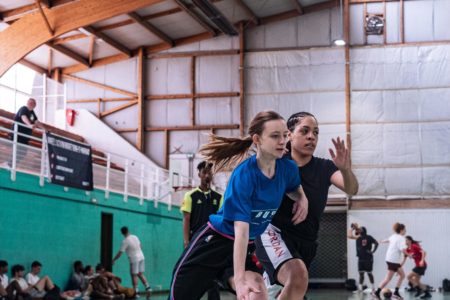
221, 248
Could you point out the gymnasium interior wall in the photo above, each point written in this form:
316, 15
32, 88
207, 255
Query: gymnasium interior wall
400, 111
58, 227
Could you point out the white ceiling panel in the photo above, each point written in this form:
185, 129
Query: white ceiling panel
157, 8
178, 25
232, 11
101, 49
133, 36
264, 8
110, 21
11, 4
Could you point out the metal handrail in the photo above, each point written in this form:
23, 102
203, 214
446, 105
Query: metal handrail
149, 183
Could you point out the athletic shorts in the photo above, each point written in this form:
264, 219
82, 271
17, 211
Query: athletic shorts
207, 260
35, 293
137, 267
393, 266
273, 249
420, 270
365, 265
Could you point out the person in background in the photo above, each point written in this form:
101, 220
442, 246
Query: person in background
39, 285
366, 245
198, 204
394, 255
26, 116
415, 252
132, 246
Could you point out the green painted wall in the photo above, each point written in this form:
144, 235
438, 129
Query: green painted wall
58, 227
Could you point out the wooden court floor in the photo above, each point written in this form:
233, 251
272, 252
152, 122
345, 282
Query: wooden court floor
328, 294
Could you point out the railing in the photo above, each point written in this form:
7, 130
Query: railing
111, 173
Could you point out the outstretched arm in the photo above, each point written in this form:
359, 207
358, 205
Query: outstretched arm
117, 256
344, 179
300, 209
350, 234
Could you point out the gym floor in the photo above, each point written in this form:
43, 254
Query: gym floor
330, 294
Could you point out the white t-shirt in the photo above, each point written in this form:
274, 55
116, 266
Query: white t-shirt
132, 246
4, 280
23, 284
394, 252
32, 279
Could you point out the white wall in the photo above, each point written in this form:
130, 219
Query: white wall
429, 226
399, 101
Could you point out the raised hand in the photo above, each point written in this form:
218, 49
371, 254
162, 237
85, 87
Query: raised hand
341, 157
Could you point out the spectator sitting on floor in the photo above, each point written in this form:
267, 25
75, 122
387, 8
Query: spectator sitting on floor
89, 273
77, 281
18, 287
38, 285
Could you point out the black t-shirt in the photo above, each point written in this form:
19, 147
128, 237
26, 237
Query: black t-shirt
24, 111
201, 205
364, 247
315, 175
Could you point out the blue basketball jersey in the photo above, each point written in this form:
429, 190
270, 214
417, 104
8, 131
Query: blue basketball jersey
254, 198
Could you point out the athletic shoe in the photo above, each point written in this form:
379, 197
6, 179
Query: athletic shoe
426, 295
418, 293
376, 295
396, 295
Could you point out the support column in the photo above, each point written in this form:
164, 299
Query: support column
241, 79
141, 100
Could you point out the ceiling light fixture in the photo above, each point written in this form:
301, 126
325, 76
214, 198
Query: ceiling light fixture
340, 41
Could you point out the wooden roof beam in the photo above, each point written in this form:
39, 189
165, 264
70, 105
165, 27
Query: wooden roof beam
149, 49
33, 66
110, 41
196, 17
297, 6
18, 12
28, 33
69, 53
141, 21
99, 85
253, 17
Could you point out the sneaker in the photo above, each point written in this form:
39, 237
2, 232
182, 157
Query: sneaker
426, 295
376, 295
397, 295
418, 293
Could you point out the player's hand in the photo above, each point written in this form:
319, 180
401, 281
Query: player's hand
185, 243
244, 288
342, 156
300, 210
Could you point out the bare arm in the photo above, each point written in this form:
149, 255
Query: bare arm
117, 256
300, 209
241, 237
186, 228
344, 179
375, 243
350, 235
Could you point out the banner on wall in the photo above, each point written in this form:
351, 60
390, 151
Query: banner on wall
70, 162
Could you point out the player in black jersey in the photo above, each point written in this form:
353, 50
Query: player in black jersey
366, 245
286, 250
198, 205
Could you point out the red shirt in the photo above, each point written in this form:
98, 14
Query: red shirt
416, 251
